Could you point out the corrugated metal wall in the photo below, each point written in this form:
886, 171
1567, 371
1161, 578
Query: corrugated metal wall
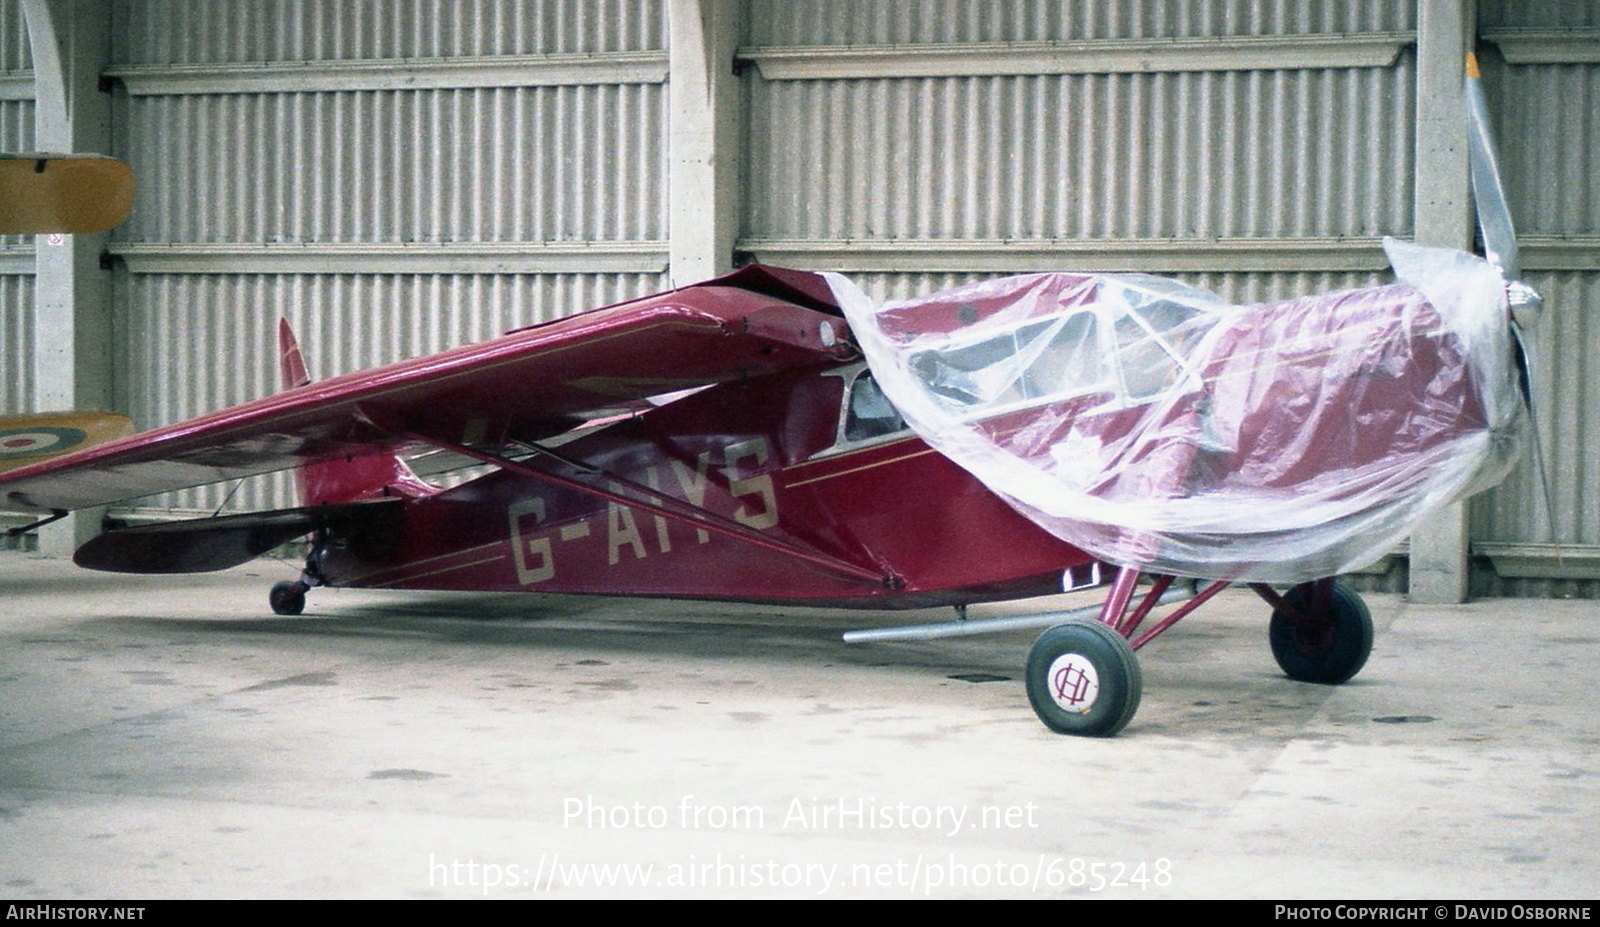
389, 220
16, 339
1280, 154
209, 31
498, 164
1096, 155
16, 251
14, 52
865, 22
1172, 161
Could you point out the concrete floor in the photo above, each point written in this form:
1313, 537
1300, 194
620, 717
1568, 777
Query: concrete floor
173, 739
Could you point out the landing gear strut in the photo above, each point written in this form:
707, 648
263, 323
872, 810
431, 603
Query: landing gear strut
1083, 677
289, 598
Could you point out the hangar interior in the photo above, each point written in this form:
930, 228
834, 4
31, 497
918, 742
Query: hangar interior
404, 176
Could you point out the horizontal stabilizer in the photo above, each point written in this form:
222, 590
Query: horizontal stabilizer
208, 544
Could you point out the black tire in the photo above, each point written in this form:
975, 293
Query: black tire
1329, 648
1083, 679
287, 598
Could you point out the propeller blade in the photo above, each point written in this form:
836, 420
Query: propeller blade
1541, 468
1494, 215
1500, 248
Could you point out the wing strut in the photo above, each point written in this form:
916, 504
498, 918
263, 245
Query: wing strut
55, 515
658, 503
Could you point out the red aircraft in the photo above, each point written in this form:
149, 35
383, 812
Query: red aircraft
723, 441
728, 440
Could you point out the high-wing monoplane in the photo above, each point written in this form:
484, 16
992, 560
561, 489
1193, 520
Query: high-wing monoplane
775, 436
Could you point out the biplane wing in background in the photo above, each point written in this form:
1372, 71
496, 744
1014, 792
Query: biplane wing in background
728, 440
31, 439
68, 193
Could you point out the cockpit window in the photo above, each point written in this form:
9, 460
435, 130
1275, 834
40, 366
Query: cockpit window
869, 413
1151, 345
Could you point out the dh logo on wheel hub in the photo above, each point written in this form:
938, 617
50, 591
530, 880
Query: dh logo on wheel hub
1074, 685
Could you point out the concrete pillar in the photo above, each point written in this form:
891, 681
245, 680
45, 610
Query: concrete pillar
1439, 565
704, 142
72, 322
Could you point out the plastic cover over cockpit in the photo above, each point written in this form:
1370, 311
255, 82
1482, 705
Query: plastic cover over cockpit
1151, 424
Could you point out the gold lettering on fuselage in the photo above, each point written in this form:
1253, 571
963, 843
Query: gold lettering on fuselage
652, 479
622, 531
760, 486
532, 554
533, 551
694, 486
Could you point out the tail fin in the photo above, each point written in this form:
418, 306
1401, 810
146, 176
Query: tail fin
355, 477
29, 439
291, 363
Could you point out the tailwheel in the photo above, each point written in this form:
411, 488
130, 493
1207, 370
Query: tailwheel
1083, 679
288, 598
1321, 634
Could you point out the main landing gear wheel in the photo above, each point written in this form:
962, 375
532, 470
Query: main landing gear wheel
1329, 648
288, 598
1083, 679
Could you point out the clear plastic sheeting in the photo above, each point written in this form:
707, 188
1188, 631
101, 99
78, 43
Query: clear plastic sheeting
1151, 424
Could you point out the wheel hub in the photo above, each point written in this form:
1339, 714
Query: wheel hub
1074, 684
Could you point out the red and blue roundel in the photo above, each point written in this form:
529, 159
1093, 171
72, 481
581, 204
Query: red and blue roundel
36, 440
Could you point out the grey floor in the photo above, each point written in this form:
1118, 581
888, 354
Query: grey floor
172, 738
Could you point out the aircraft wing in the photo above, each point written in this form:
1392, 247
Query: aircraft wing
524, 386
72, 193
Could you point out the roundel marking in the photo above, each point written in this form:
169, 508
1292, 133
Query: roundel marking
31, 442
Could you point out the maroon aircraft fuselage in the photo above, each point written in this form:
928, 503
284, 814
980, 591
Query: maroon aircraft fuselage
768, 454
